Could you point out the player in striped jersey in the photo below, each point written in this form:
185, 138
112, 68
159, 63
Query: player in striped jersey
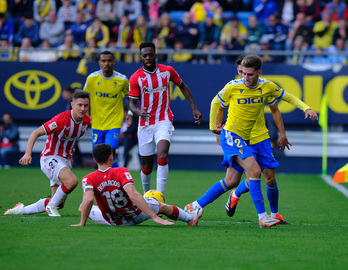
119, 203
107, 88
64, 130
149, 86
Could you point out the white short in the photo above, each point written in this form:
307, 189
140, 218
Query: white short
97, 216
149, 136
51, 166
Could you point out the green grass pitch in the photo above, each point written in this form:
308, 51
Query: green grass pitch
317, 238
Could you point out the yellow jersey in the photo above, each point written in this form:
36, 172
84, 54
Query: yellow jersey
106, 95
246, 107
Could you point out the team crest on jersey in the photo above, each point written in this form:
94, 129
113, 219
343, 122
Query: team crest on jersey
128, 175
163, 75
52, 126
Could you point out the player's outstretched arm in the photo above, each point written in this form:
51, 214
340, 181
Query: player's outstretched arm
85, 207
26, 159
139, 201
278, 120
311, 115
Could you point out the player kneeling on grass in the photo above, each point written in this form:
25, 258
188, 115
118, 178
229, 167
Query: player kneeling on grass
119, 203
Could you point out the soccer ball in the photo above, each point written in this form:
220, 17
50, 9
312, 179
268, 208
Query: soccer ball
158, 195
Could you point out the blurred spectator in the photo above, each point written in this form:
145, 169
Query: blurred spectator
78, 30
338, 9
311, 8
299, 46
67, 13
3, 6
42, 8
9, 140
90, 51
6, 51
232, 5
29, 28
287, 11
235, 42
165, 32
275, 34
6, 28
341, 31
98, 31
46, 54
107, 12
87, 9
68, 50
209, 35
52, 30
18, 9
201, 8
26, 52
154, 12
178, 5
319, 57
299, 29
264, 8
338, 53
130, 8
122, 34
323, 31
265, 56
255, 32
188, 32
179, 54
141, 32
226, 34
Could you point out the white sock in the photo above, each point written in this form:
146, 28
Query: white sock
195, 205
58, 197
183, 216
146, 180
38, 207
162, 176
262, 215
273, 215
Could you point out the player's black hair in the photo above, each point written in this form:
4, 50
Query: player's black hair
107, 53
80, 94
101, 153
146, 45
240, 59
252, 61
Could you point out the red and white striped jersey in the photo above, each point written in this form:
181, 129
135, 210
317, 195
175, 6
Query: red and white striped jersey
63, 134
114, 203
152, 91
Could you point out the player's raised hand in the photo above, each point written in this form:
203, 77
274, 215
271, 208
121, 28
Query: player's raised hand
25, 160
283, 142
198, 116
311, 114
161, 221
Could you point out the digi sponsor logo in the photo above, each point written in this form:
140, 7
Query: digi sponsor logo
106, 95
32, 89
250, 100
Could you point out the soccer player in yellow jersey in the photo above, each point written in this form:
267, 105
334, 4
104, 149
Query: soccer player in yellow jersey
107, 89
246, 99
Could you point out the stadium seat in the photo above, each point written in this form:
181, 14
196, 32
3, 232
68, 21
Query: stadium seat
177, 15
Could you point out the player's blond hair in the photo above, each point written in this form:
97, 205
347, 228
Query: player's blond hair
252, 61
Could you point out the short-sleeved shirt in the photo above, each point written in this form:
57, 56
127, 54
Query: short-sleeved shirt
153, 92
246, 104
112, 199
106, 94
63, 134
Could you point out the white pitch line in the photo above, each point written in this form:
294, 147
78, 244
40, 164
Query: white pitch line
340, 188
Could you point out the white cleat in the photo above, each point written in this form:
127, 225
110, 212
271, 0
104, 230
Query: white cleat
52, 211
268, 222
16, 210
196, 214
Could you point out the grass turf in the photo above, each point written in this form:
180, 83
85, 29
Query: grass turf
317, 238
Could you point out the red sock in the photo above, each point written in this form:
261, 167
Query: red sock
65, 190
146, 171
175, 214
162, 161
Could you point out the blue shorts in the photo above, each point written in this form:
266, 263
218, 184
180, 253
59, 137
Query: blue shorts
111, 137
234, 145
263, 154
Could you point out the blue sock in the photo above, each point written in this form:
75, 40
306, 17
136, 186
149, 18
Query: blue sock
242, 188
213, 193
256, 194
273, 195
